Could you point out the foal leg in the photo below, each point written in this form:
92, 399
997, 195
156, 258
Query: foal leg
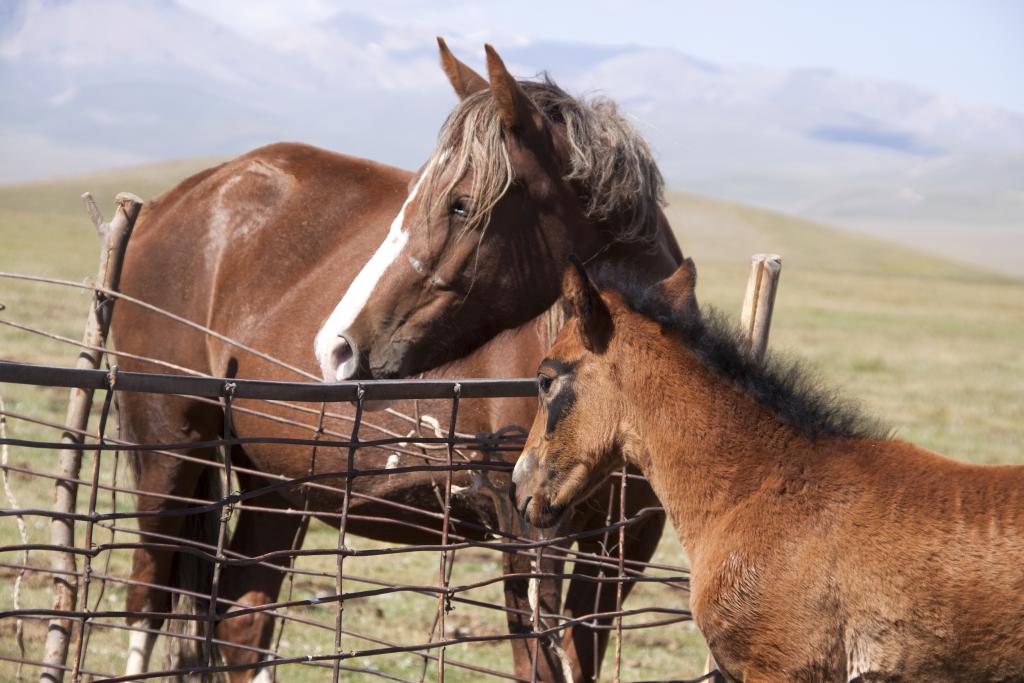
257, 532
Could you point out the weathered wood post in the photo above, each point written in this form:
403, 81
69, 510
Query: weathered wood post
114, 236
755, 323
759, 301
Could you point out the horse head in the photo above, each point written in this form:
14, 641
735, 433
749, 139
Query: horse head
523, 176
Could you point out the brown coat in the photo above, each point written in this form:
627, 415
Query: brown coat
819, 552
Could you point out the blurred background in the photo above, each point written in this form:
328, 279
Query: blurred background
878, 146
904, 120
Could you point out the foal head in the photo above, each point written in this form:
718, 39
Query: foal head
523, 175
583, 423
631, 339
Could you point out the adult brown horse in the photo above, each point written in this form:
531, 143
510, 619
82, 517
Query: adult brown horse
266, 248
821, 550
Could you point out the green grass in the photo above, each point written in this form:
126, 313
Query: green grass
932, 346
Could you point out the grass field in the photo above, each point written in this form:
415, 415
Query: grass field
932, 346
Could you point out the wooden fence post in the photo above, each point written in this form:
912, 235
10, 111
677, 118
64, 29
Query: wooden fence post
755, 323
759, 301
114, 236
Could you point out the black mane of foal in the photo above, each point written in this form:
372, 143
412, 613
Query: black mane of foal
783, 385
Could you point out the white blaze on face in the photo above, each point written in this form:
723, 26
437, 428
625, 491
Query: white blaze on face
331, 336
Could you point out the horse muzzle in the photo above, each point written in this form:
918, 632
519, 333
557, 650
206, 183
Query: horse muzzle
339, 359
530, 498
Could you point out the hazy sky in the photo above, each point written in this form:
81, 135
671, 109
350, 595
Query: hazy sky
973, 49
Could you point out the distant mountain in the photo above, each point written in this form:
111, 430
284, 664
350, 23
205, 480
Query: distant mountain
87, 84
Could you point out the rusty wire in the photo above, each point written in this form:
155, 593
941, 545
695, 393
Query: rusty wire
612, 568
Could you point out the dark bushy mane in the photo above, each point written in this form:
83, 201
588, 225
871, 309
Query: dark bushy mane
783, 385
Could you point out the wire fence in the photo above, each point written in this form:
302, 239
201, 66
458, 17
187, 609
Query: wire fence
342, 574
105, 534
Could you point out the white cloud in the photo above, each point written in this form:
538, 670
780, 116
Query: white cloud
63, 97
259, 18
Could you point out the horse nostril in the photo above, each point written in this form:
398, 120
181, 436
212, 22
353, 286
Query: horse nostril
525, 506
341, 358
342, 350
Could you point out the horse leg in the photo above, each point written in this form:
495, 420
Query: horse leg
151, 419
521, 594
585, 646
257, 532
140, 648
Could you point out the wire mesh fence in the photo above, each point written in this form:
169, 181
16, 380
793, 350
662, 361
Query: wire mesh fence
346, 609
388, 549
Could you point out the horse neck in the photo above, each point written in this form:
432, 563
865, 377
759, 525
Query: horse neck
516, 352
650, 260
513, 353
704, 445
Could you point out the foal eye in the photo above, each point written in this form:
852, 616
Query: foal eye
544, 382
458, 208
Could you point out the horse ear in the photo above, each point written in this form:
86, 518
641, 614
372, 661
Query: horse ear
586, 303
518, 112
681, 287
463, 79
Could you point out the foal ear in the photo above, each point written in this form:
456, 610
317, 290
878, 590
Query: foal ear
463, 79
518, 112
585, 301
681, 287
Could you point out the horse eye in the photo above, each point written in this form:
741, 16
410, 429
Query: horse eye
458, 208
544, 382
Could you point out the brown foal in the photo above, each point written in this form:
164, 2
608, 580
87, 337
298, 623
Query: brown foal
821, 550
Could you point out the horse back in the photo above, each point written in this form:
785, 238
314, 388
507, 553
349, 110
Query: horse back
940, 543
873, 557
264, 242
